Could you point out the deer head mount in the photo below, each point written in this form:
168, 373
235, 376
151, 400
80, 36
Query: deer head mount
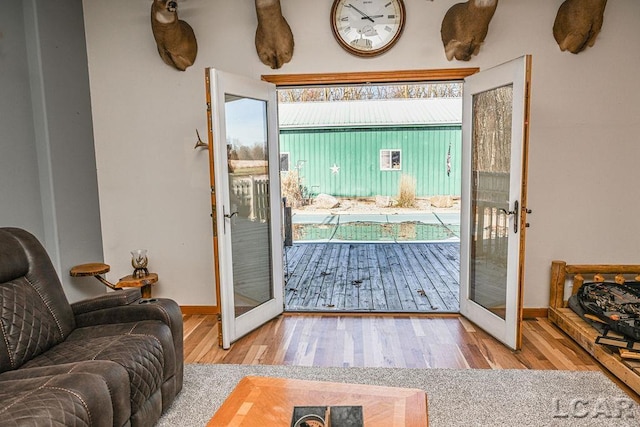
274, 39
465, 26
176, 41
578, 23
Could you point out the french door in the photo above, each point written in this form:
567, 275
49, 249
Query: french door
245, 199
246, 223
494, 205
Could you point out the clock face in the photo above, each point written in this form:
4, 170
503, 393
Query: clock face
367, 27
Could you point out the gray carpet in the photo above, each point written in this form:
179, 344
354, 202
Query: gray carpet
456, 397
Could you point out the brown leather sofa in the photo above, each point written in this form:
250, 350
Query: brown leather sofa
114, 360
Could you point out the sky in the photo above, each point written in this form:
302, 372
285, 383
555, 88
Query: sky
245, 120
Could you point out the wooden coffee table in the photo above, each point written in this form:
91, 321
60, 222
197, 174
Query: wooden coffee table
265, 401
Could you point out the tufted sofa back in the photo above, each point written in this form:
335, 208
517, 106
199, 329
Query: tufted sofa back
35, 314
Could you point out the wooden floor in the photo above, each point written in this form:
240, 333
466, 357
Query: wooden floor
380, 277
386, 341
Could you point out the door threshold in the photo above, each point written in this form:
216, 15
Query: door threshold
346, 313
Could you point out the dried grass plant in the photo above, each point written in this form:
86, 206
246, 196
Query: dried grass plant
291, 188
407, 192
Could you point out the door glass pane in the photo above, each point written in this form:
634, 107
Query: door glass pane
248, 168
491, 158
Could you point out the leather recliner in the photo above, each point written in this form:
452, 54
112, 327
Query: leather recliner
113, 360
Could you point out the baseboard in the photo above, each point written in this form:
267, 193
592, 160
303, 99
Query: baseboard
199, 309
532, 313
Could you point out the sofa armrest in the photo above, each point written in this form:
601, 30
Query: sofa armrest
108, 300
162, 309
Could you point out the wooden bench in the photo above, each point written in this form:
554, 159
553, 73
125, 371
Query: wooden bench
626, 370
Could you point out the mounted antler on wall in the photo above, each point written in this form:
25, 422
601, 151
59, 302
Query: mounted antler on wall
578, 23
274, 39
465, 26
176, 41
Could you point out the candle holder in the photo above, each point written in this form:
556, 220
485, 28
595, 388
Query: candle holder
139, 262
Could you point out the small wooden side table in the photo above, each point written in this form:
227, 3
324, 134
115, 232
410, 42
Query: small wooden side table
144, 283
97, 269
94, 269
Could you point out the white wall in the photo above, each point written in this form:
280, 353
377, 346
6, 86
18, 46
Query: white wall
154, 188
20, 183
48, 180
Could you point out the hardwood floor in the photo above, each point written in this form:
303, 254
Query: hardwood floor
383, 341
380, 277
446, 341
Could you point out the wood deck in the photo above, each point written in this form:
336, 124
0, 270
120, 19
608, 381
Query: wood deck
368, 277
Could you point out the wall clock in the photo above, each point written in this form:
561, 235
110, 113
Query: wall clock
367, 27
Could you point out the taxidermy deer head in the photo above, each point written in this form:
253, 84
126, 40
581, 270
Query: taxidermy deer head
464, 27
274, 39
175, 38
578, 23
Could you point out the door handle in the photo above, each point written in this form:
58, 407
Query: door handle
228, 216
515, 212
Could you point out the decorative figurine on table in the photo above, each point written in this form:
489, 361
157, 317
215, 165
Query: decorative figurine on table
139, 262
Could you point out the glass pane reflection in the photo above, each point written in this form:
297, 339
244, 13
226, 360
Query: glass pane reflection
491, 158
248, 168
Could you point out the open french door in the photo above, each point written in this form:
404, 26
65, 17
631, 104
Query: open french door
494, 206
245, 200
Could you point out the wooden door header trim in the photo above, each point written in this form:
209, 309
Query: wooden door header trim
370, 77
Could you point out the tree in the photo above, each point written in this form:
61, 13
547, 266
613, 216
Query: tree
365, 92
492, 113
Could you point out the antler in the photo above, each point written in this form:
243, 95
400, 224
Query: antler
578, 23
465, 26
274, 39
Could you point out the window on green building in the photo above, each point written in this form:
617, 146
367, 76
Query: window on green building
390, 160
284, 162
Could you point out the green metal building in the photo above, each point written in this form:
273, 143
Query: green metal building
362, 148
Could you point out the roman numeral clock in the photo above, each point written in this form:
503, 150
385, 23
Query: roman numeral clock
367, 27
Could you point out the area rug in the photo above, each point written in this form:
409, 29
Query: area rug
456, 397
